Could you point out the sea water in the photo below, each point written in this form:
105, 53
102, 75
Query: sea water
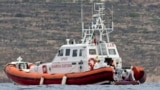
145, 86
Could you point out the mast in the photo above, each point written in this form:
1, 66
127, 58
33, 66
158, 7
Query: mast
82, 18
97, 25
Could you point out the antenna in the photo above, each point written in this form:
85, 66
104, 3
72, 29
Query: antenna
92, 12
82, 17
111, 27
112, 18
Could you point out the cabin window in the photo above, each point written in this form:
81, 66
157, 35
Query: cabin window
74, 53
92, 51
60, 52
80, 52
112, 51
67, 52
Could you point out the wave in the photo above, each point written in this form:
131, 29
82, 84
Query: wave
145, 86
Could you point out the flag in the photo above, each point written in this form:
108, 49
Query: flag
94, 38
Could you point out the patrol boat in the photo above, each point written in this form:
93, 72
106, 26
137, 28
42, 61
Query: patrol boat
94, 60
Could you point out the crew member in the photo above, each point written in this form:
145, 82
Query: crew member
128, 75
97, 64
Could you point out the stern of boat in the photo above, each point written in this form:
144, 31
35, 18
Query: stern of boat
139, 74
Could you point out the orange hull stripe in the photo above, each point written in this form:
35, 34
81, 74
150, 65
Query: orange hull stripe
11, 69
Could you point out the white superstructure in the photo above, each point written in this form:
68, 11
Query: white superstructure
74, 57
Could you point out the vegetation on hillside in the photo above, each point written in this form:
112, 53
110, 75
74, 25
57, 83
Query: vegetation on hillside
35, 29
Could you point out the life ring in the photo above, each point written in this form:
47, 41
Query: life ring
44, 69
91, 63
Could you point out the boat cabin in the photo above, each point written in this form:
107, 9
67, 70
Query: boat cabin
75, 57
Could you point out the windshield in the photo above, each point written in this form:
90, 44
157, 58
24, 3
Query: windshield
92, 51
112, 51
